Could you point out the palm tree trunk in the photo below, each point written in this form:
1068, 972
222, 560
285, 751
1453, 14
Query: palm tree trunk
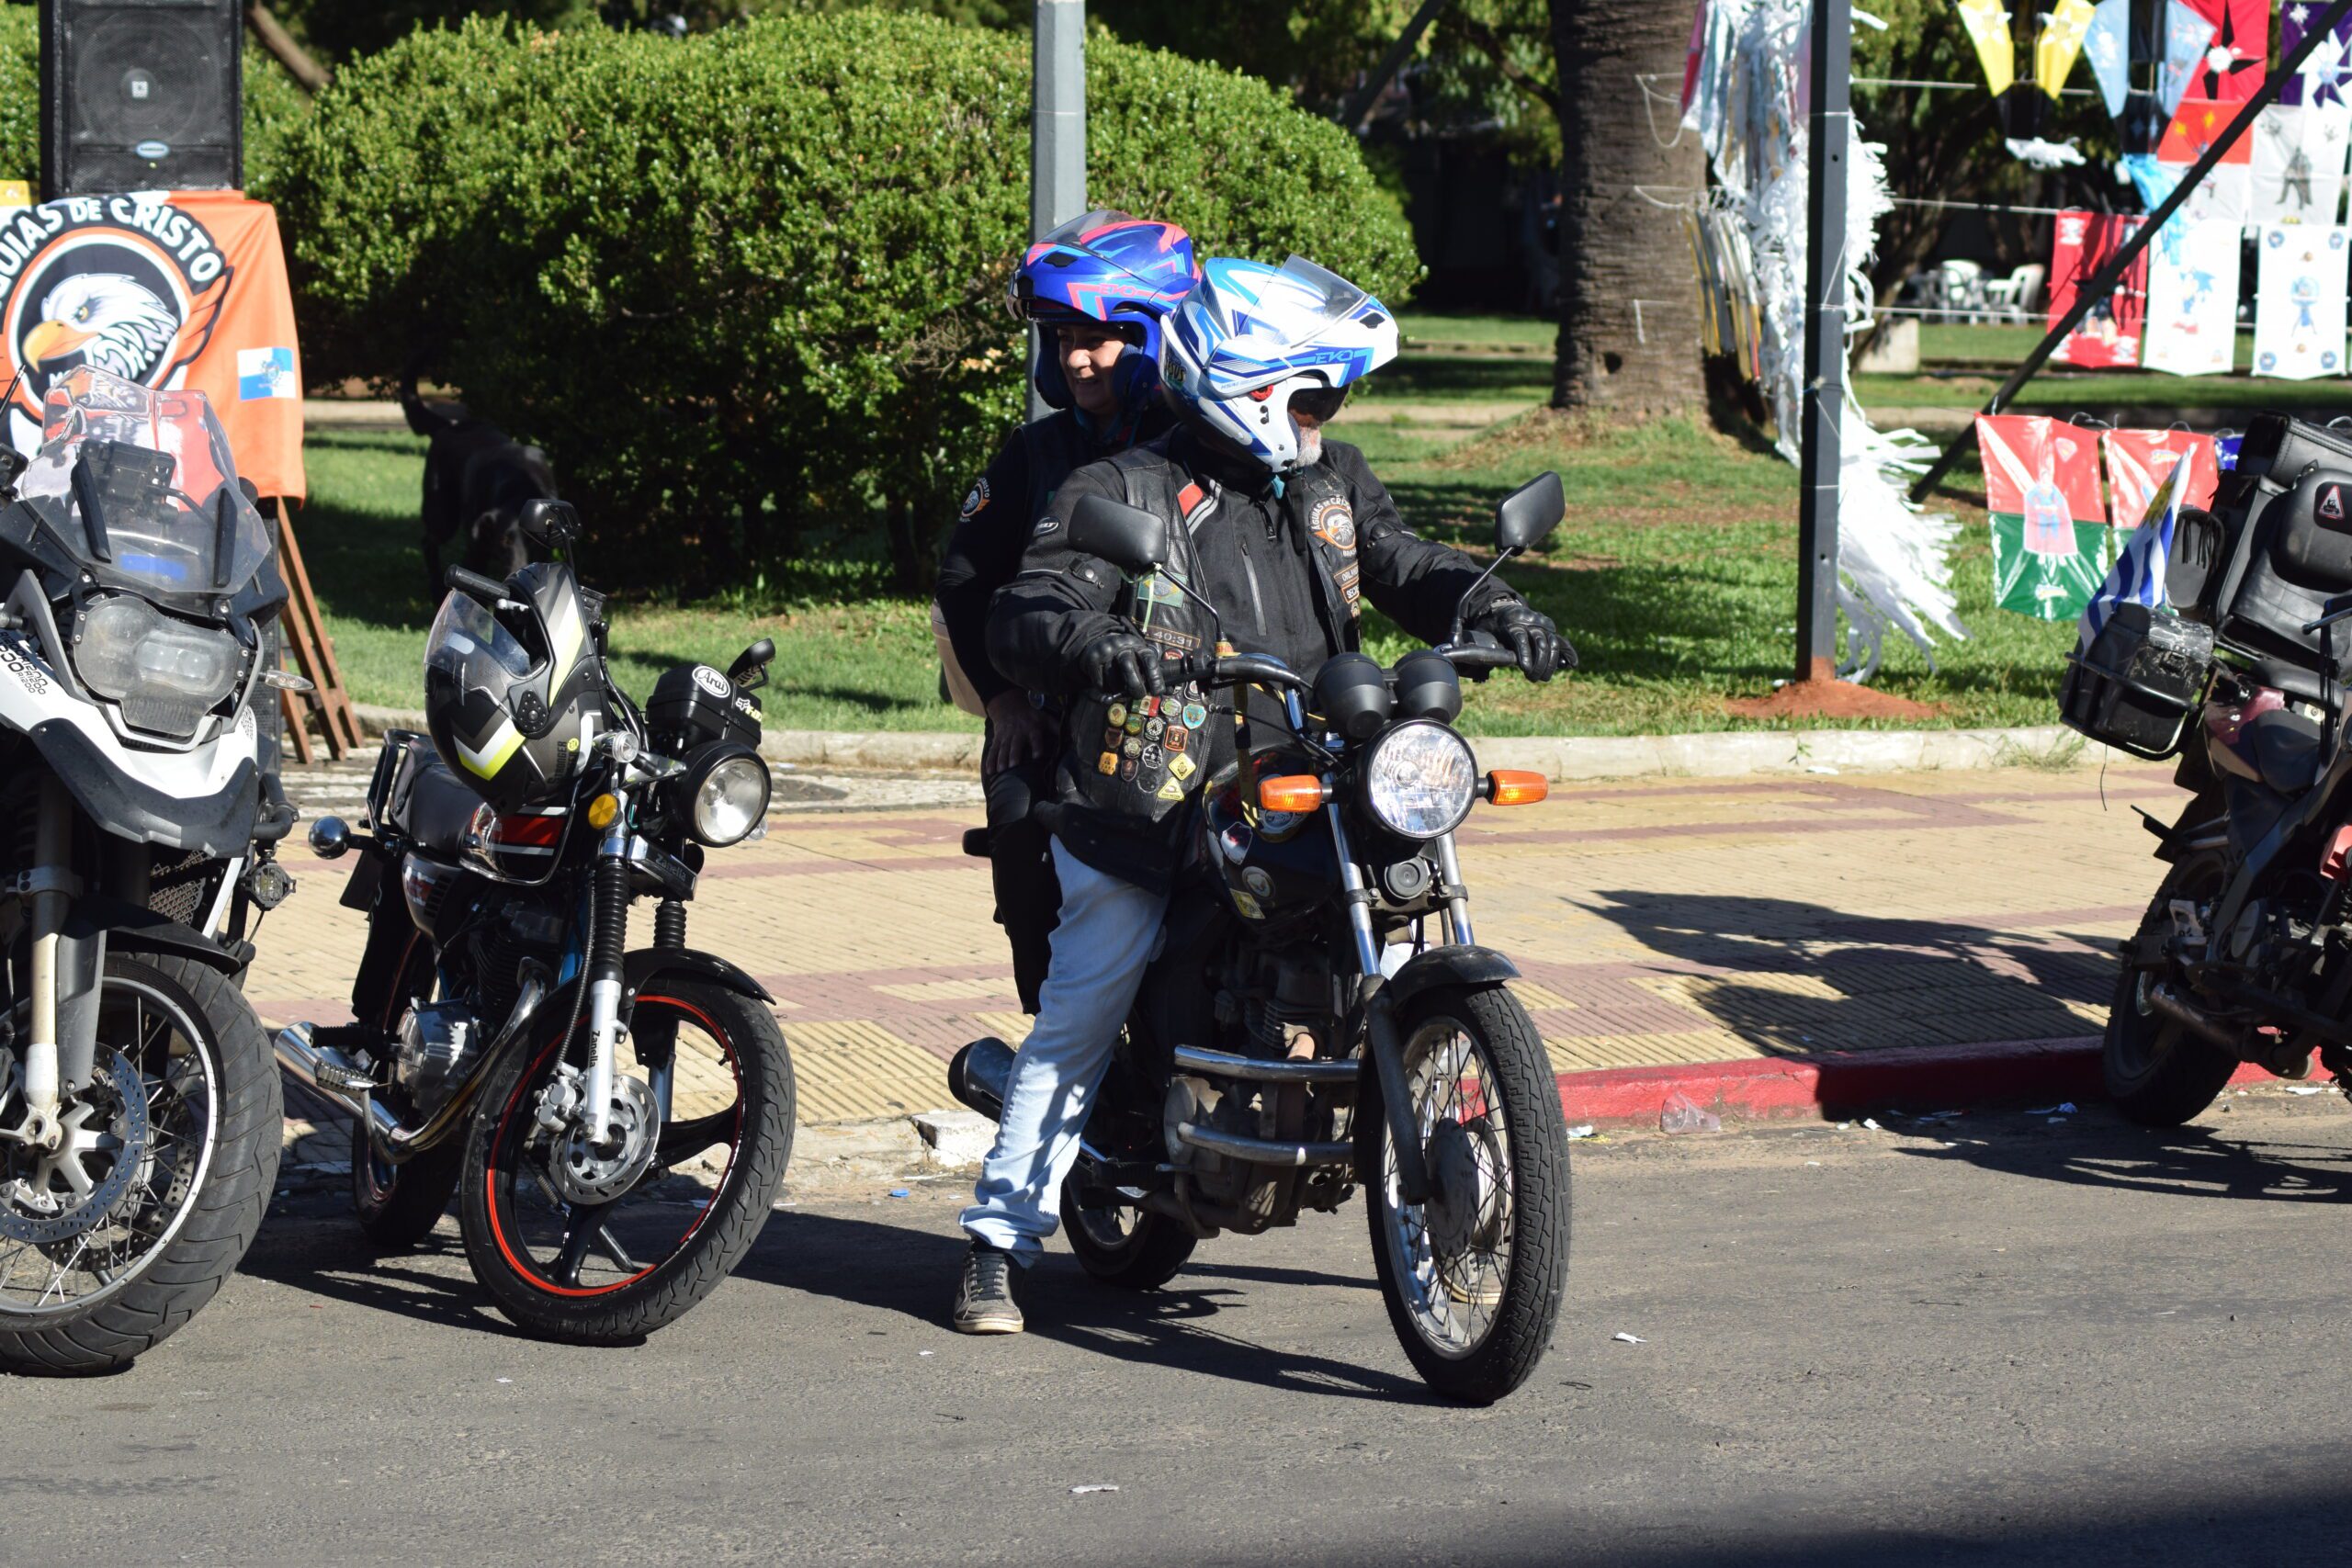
1629, 292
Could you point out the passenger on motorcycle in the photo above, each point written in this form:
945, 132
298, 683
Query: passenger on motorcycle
1285, 533
1098, 287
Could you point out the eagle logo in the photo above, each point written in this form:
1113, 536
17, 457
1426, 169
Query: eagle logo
105, 320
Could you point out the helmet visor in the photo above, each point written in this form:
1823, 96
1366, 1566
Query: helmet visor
468, 642
1295, 308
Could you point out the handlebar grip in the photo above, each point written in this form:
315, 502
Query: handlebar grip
474, 585
1483, 658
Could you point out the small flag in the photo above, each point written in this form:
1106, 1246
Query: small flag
2138, 574
1989, 28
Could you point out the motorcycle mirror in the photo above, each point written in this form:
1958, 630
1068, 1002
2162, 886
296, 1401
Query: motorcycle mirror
1529, 512
749, 668
547, 521
1128, 537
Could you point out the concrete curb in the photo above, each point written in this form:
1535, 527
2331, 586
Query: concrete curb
1722, 754
1916, 1078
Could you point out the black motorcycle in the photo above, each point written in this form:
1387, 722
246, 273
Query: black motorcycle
616, 1123
2244, 954
1301, 1032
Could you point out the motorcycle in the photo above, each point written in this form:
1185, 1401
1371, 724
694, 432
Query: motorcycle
2244, 954
138, 1109
1300, 1034
614, 1123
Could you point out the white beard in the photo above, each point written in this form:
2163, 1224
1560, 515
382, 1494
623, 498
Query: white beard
1310, 447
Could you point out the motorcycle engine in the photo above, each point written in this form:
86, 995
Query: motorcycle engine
2267, 936
437, 1044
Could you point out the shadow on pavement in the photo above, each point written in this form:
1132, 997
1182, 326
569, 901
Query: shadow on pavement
2201, 1161
1797, 978
900, 1269
327, 1258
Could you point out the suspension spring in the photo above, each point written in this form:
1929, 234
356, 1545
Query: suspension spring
608, 937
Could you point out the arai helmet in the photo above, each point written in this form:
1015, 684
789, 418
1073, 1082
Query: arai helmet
1105, 267
512, 697
1251, 339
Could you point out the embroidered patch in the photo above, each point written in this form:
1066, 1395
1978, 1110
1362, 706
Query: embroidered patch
1259, 881
1133, 746
1334, 522
1107, 763
1171, 639
1171, 790
1153, 728
1127, 769
1246, 905
976, 502
1196, 714
1177, 739
1157, 589
1151, 706
1118, 714
1180, 766
1114, 737
1045, 525
1153, 758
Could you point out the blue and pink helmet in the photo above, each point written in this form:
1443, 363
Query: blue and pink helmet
1105, 267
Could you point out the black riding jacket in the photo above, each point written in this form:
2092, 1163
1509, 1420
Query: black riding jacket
1286, 564
999, 512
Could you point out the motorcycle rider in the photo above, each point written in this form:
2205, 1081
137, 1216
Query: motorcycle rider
1100, 286
1284, 532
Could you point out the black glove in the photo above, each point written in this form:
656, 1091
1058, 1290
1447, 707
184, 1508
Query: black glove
1122, 664
1542, 651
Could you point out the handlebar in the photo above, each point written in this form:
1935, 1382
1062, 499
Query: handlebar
474, 585
1481, 660
1233, 669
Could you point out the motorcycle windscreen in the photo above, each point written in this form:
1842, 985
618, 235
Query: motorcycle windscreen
150, 488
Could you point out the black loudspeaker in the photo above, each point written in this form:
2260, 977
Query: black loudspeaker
141, 94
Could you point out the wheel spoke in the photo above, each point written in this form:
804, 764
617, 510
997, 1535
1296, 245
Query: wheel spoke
582, 1227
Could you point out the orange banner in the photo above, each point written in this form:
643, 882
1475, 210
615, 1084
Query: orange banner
169, 289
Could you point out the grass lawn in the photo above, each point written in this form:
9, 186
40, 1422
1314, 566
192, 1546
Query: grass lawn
1675, 574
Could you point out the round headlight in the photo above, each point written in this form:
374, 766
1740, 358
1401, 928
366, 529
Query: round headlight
1419, 780
730, 797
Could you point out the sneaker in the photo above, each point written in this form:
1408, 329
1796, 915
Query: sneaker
984, 1296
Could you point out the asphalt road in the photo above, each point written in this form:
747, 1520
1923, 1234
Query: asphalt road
2004, 1342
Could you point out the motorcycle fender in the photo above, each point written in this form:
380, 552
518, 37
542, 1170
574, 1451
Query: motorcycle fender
128, 928
1475, 968
642, 966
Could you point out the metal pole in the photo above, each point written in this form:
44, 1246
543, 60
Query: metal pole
1057, 134
2103, 284
1359, 106
1830, 128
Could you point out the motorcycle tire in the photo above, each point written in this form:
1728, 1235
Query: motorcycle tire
210, 1213
1123, 1245
494, 1191
398, 1205
2156, 1072
1520, 1181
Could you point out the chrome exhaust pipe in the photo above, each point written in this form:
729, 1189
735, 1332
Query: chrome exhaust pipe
329, 1074
2164, 1000
979, 1075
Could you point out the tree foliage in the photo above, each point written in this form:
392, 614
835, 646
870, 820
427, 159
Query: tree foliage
750, 285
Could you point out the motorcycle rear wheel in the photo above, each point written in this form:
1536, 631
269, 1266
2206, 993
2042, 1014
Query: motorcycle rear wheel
1121, 1245
613, 1274
1474, 1278
97, 1299
2156, 1072
398, 1205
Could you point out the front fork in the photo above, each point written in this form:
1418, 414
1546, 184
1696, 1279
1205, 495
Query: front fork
607, 942
49, 886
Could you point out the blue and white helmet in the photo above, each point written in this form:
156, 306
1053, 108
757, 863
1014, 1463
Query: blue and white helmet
1252, 340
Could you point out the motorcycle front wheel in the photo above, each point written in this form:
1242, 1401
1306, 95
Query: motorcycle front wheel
114, 1239
606, 1269
1474, 1277
2157, 1073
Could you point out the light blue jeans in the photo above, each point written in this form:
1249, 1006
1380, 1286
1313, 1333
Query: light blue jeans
1108, 932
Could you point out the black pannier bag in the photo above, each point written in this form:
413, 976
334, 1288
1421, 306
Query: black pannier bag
2140, 681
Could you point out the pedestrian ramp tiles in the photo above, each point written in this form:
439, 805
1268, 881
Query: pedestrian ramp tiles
854, 1070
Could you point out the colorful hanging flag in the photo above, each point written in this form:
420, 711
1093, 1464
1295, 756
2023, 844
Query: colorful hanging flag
2106, 42
2109, 333
1692, 60
2192, 326
2188, 35
2324, 75
2239, 56
2138, 575
2140, 461
2226, 193
2299, 301
2297, 174
2049, 539
2060, 42
1988, 30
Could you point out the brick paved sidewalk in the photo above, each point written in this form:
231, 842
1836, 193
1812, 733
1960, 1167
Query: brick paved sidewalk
1656, 922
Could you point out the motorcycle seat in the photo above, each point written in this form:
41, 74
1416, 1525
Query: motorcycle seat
2286, 747
436, 810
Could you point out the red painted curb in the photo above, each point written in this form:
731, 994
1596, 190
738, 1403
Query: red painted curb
1921, 1077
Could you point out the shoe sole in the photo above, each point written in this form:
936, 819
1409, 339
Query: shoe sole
987, 1326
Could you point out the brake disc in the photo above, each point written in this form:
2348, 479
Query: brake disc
31, 1207
590, 1177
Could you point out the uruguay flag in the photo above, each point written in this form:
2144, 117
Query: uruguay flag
2138, 575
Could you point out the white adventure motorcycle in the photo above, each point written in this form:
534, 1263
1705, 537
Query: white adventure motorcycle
139, 1104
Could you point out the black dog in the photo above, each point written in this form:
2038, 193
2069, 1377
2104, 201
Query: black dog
475, 479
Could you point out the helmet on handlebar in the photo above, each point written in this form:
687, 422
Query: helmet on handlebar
1251, 340
513, 696
1123, 272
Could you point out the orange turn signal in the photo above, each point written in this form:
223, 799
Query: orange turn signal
1291, 792
1510, 787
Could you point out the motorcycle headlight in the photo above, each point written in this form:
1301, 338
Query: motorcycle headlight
1420, 779
728, 791
164, 674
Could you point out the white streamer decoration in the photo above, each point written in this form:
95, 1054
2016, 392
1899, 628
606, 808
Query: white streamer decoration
1894, 561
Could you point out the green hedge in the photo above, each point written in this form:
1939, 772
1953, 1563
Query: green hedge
747, 287
273, 107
